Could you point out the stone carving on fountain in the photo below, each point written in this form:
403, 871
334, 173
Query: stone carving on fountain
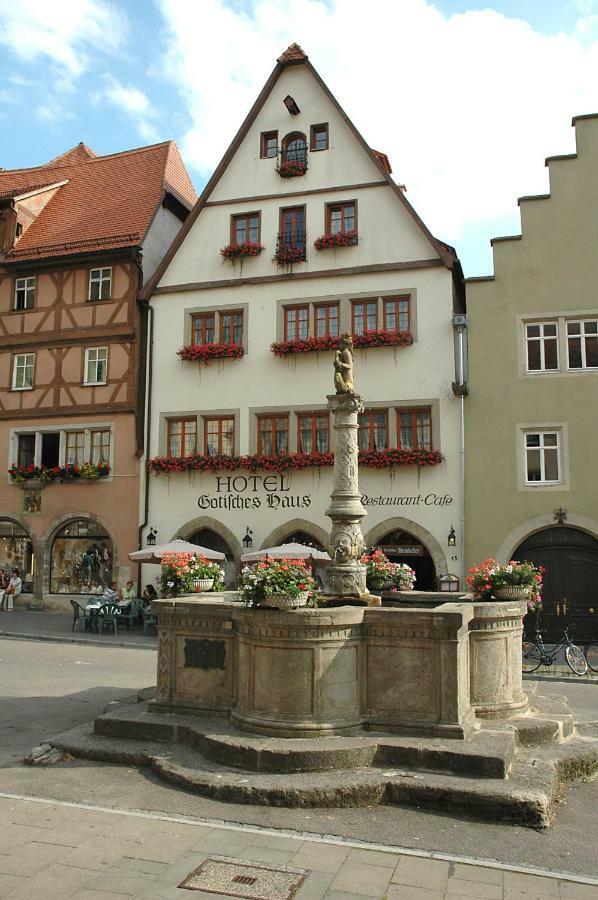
345, 578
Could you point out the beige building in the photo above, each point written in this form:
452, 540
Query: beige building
301, 234
532, 423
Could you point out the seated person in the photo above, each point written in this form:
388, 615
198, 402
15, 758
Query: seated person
129, 592
110, 594
149, 595
15, 586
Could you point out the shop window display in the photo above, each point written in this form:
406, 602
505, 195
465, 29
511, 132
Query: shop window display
82, 559
16, 551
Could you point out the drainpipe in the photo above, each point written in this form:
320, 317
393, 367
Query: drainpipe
148, 428
461, 389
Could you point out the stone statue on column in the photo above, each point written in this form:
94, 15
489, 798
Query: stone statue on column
345, 577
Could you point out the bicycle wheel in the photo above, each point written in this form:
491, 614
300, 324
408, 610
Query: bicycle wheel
592, 657
576, 660
530, 656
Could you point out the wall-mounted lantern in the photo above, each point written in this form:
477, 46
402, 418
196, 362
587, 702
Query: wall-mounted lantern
248, 539
452, 537
151, 536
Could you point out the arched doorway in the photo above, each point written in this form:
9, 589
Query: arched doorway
205, 537
400, 546
569, 595
16, 551
81, 558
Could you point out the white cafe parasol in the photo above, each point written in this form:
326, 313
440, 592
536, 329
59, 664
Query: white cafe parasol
155, 554
288, 551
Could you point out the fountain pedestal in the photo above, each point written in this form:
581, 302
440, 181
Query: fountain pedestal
345, 578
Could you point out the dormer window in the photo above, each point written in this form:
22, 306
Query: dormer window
18, 230
100, 284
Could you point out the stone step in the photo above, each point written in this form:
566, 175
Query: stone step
526, 796
486, 755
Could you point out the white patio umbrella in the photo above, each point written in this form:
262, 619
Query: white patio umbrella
155, 554
288, 551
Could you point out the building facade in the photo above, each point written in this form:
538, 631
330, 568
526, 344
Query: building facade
77, 237
300, 235
532, 491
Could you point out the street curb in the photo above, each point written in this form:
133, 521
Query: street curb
316, 837
52, 638
561, 679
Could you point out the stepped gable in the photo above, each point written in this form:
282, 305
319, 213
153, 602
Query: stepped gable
107, 201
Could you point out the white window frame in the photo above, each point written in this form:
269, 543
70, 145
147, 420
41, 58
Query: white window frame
24, 367
581, 336
39, 432
27, 284
100, 279
542, 432
88, 361
541, 339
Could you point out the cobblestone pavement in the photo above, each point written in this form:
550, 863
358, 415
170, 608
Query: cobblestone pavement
74, 852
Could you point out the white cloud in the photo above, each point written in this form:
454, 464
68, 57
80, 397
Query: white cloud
132, 102
467, 106
64, 32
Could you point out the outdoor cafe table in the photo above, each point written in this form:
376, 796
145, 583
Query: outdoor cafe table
93, 609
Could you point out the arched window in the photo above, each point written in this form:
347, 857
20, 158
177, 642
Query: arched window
16, 551
294, 148
82, 559
302, 537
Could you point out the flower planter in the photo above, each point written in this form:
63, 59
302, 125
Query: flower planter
284, 601
513, 592
202, 585
496, 677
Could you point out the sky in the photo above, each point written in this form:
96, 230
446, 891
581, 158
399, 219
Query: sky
467, 98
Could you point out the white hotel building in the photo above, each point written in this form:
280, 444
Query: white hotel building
389, 280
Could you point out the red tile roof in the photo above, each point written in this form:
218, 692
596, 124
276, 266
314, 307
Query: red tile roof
383, 158
293, 53
107, 202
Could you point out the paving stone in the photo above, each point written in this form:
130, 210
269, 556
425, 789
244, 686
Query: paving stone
266, 855
424, 873
136, 866
571, 891
55, 882
345, 895
9, 883
31, 858
118, 883
523, 895
479, 889
320, 857
226, 843
19, 835
523, 881
97, 895
161, 847
373, 858
466, 872
409, 892
315, 885
275, 842
363, 880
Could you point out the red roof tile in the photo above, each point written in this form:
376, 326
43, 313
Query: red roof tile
108, 201
383, 158
294, 53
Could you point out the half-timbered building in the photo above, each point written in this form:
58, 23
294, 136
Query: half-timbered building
78, 236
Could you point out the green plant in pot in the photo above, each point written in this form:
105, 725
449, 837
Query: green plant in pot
282, 584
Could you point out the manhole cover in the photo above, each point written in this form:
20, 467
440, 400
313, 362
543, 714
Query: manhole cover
254, 881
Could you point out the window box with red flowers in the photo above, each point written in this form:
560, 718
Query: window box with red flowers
283, 462
381, 338
241, 251
205, 353
338, 239
46, 474
292, 168
286, 256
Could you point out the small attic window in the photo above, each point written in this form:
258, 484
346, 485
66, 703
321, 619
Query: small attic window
319, 137
19, 230
268, 144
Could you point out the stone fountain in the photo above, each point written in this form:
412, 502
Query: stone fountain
318, 707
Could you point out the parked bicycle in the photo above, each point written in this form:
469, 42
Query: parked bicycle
536, 654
